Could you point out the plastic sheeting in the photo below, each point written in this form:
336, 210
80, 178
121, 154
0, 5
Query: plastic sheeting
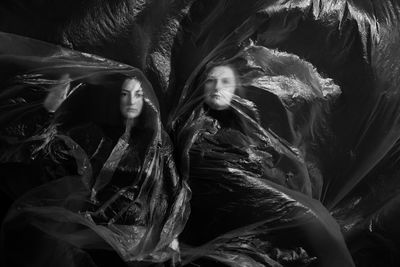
309, 140
249, 184
100, 185
354, 148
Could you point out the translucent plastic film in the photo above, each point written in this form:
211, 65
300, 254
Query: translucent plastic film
85, 156
319, 76
281, 117
253, 184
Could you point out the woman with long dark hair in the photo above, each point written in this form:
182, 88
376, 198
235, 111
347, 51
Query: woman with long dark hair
108, 190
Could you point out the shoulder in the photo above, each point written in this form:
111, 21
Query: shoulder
249, 109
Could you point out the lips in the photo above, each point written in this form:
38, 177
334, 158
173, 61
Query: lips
216, 94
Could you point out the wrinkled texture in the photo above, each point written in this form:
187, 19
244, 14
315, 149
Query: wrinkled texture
248, 183
98, 187
353, 42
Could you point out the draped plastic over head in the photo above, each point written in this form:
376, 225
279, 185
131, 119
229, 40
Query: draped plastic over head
82, 179
355, 148
248, 131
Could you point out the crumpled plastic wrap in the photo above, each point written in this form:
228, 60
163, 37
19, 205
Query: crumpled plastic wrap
354, 149
92, 188
336, 133
254, 193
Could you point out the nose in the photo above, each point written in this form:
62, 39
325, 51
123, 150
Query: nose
218, 85
133, 99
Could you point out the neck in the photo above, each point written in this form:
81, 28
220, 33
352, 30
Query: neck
129, 124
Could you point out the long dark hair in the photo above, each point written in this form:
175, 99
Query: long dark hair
98, 101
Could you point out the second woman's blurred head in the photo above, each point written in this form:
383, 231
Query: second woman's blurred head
220, 87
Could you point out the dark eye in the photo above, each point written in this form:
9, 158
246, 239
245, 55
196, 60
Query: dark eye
124, 94
226, 81
139, 94
210, 81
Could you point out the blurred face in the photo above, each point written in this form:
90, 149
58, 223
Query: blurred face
131, 103
220, 87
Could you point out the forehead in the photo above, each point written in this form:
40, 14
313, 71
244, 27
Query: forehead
132, 84
222, 71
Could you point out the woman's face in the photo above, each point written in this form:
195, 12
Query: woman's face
220, 87
131, 103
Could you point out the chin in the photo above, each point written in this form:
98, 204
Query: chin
217, 105
131, 115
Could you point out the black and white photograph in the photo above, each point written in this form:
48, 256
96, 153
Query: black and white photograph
200, 133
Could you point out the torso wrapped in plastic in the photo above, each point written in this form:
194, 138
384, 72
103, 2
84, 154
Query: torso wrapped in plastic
86, 187
356, 44
252, 191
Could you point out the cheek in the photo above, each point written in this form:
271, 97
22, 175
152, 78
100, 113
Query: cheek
229, 90
123, 102
208, 88
228, 95
140, 103
233, 89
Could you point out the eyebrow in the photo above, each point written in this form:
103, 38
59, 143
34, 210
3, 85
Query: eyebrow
140, 89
